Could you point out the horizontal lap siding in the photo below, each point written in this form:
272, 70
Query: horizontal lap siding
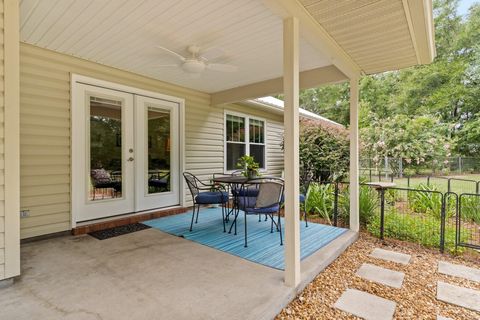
45, 132
2, 149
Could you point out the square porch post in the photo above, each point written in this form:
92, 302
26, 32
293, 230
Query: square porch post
291, 146
354, 157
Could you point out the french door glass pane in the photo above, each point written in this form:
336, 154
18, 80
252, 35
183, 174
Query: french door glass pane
158, 145
105, 149
234, 152
257, 151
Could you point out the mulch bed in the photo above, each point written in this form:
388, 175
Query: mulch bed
415, 300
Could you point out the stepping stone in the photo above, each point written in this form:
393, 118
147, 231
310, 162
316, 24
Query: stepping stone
366, 305
443, 318
391, 256
463, 297
381, 275
458, 270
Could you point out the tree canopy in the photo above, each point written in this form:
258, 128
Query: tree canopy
408, 109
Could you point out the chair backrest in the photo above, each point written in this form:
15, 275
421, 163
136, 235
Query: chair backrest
270, 192
192, 183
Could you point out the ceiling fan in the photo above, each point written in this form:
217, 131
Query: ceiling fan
198, 61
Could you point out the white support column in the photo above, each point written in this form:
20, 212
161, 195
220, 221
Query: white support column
354, 157
291, 158
12, 137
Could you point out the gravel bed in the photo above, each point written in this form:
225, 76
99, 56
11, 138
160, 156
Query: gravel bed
415, 300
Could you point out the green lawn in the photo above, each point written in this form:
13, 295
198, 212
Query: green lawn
456, 186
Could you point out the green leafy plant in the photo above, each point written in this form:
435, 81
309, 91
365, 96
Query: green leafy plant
249, 166
368, 203
470, 206
414, 228
426, 200
319, 200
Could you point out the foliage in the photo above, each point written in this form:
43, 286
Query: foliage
414, 228
470, 205
249, 166
323, 149
428, 200
319, 200
368, 204
415, 112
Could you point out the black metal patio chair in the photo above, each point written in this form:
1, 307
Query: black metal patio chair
266, 201
203, 193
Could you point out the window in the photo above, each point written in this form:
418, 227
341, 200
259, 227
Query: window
240, 141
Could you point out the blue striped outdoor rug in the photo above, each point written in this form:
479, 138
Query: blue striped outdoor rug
263, 246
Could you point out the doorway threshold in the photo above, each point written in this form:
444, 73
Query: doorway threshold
116, 221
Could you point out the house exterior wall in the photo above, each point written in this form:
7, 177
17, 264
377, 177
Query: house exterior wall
45, 133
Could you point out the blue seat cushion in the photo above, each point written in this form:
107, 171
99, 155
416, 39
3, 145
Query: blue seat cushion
248, 204
211, 197
301, 198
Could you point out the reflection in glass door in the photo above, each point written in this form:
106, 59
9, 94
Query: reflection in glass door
105, 149
157, 144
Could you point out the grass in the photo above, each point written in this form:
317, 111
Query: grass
442, 184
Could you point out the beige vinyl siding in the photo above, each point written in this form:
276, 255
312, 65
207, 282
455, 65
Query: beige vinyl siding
2, 149
45, 132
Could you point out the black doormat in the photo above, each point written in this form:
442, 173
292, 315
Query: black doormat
118, 231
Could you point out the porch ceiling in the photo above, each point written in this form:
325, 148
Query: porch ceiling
373, 35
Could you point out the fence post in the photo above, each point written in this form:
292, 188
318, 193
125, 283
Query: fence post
382, 212
335, 205
442, 222
477, 189
460, 165
408, 181
400, 168
449, 184
428, 180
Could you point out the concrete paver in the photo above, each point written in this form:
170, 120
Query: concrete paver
391, 256
463, 297
381, 275
366, 305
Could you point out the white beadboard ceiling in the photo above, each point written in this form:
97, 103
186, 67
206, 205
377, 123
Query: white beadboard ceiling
124, 33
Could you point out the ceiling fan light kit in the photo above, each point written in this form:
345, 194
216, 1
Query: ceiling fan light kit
198, 62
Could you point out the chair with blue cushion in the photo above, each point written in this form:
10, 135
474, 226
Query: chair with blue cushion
205, 194
265, 201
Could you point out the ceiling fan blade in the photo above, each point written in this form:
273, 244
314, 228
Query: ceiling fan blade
166, 65
211, 53
222, 67
173, 53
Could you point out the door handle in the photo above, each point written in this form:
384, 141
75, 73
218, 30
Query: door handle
130, 159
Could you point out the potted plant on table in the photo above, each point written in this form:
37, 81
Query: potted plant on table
249, 166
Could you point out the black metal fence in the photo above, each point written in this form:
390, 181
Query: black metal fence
443, 219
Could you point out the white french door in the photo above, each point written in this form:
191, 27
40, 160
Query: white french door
156, 145
125, 153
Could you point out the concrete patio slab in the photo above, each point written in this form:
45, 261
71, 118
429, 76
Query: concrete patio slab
463, 297
381, 275
458, 270
391, 256
148, 275
365, 305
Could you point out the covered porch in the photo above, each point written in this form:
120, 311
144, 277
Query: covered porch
151, 274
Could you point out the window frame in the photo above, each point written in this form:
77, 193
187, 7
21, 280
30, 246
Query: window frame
247, 138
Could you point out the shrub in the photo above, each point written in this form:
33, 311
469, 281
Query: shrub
368, 203
407, 227
427, 200
319, 200
470, 208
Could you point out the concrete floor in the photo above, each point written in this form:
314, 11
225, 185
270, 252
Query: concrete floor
148, 275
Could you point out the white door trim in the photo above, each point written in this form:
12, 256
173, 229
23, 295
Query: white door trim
76, 78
